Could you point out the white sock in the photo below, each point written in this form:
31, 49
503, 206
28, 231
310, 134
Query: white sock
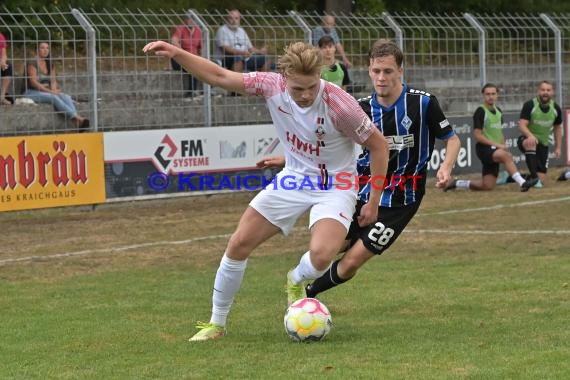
228, 281
567, 174
305, 270
462, 184
517, 177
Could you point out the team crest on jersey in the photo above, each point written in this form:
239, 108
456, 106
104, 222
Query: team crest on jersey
406, 122
320, 131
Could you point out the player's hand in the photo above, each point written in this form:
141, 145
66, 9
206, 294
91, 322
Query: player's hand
271, 162
443, 177
558, 152
502, 146
368, 214
160, 48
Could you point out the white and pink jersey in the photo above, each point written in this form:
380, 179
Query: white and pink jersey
317, 140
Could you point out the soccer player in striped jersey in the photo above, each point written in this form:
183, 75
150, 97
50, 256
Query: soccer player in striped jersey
540, 117
319, 123
490, 146
410, 120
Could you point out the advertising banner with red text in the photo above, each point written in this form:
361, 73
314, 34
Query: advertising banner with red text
51, 171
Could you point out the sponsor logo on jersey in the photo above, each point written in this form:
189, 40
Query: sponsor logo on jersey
443, 124
400, 142
302, 146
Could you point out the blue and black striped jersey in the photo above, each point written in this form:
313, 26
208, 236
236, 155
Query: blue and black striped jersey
411, 126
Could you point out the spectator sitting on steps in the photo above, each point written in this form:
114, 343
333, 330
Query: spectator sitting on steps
42, 87
5, 72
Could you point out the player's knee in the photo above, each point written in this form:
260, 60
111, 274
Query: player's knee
238, 247
529, 144
321, 258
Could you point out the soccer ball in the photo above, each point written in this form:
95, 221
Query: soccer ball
307, 320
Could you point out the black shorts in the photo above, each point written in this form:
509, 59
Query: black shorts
541, 155
379, 236
485, 154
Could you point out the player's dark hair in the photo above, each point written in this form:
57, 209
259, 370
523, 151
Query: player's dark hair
385, 48
325, 41
489, 85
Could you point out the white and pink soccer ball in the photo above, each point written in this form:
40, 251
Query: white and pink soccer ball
307, 320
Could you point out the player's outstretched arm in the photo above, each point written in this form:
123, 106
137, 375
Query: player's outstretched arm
203, 69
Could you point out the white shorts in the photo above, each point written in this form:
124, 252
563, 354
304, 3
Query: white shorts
282, 207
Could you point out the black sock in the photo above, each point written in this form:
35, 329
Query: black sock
531, 162
328, 280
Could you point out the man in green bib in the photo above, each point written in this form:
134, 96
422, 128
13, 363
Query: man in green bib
490, 146
540, 117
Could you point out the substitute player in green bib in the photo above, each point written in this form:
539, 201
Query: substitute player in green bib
490, 146
540, 117
333, 71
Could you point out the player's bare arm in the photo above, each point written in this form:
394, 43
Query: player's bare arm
378, 147
443, 176
271, 162
481, 139
557, 130
203, 69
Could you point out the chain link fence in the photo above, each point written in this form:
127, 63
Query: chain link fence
99, 61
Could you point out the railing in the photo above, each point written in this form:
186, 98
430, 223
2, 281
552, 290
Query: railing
99, 58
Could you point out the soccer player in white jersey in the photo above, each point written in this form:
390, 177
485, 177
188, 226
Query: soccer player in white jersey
318, 124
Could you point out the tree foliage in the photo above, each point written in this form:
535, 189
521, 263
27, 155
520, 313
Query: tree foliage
360, 6
478, 6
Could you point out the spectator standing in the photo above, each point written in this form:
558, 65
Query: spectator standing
188, 37
328, 29
5, 72
234, 48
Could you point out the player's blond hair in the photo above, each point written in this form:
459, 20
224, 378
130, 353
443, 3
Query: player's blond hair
300, 58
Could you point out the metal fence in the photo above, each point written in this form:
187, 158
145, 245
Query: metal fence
99, 60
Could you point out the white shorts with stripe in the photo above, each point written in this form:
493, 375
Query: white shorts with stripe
283, 205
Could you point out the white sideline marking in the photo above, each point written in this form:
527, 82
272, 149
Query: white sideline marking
495, 207
112, 249
211, 237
